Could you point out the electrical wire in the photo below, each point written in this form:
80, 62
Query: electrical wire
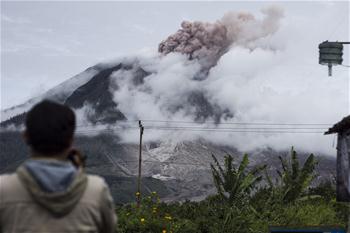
232, 123
219, 131
243, 127
238, 131
203, 129
227, 130
101, 124
88, 129
216, 128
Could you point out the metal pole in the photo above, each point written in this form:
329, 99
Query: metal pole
138, 194
329, 69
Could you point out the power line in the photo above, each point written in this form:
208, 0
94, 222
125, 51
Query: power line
122, 126
233, 123
88, 129
101, 124
239, 131
270, 131
209, 128
246, 127
281, 130
126, 125
216, 128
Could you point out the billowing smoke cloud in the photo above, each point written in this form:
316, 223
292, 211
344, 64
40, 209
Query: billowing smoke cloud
261, 75
207, 42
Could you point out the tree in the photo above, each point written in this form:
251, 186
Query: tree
295, 179
234, 184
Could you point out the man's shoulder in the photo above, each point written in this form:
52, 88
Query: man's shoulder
11, 188
96, 182
95, 179
8, 181
96, 185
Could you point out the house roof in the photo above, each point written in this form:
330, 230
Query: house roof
341, 126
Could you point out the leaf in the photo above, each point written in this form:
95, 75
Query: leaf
295, 164
236, 182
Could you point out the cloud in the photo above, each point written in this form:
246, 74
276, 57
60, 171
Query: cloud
262, 78
14, 20
142, 29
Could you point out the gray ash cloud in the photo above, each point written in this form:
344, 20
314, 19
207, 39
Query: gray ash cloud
207, 42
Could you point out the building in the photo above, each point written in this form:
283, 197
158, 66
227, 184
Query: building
342, 128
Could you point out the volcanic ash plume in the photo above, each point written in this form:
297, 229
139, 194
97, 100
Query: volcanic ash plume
207, 42
204, 41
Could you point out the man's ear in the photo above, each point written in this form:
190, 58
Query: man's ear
71, 142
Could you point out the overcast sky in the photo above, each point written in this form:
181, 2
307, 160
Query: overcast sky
45, 43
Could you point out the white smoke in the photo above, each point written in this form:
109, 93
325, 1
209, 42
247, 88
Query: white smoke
266, 86
170, 80
243, 28
261, 75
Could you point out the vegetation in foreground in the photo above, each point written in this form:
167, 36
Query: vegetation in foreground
247, 201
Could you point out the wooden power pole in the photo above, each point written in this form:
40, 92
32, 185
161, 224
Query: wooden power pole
138, 194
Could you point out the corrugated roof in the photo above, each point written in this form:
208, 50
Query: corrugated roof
341, 126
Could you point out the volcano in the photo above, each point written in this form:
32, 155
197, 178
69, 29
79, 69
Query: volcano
165, 86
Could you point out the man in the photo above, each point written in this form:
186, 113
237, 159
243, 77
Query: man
48, 193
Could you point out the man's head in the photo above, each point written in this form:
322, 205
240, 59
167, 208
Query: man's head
50, 128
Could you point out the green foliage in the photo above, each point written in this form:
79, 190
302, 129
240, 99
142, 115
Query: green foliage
213, 216
153, 216
326, 189
241, 206
234, 184
294, 179
306, 213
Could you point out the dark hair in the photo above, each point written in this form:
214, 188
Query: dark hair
50, 127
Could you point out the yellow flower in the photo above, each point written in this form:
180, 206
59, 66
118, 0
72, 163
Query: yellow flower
138, 193
168, 217
164, 231
142, 220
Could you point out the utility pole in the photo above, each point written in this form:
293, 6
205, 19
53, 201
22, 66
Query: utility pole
138, 193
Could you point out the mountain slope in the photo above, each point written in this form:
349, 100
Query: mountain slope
184, 82
177, 169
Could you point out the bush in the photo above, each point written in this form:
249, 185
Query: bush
152, 216
236, 208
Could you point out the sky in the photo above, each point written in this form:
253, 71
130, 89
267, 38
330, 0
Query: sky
45, 43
